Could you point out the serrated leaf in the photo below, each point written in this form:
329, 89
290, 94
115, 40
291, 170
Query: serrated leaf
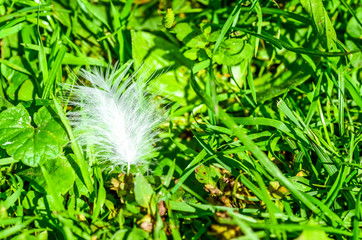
28, 144
143, 191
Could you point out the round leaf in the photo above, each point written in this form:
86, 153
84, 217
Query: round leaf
24, 142
232, 51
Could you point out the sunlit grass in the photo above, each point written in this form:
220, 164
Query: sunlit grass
263, 136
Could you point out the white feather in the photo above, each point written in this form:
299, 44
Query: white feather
117, 120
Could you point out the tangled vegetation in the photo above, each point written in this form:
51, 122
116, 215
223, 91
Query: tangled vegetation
263, 135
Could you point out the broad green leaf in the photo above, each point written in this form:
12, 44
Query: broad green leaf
59, 169
143, 191
9, 45
190, 35
355, 58
30, 200
316, 10
97, 11
61, 14
46, 202
270, 86
4, 103
58, 200
2, 10
191, 53
165, 60
200, 66
26, 91
354, 29
137, 20
10, 200
233, 51
14, 73
138, 234
31, 145
207, 175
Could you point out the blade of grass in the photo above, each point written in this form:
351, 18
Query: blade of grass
249, 233
271, 207
350, 9
259, 24
284, 128
14, 66
18, 227
56, 67
6, 161
227, 25
341, 94
282, 44
250, 79
6, 31
26, 11
297, 227
190, 169
271, 168
43, 62
357, 217
101, 194
10, 201
75, 147
57, 199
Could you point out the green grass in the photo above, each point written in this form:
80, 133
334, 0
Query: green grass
263, 138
